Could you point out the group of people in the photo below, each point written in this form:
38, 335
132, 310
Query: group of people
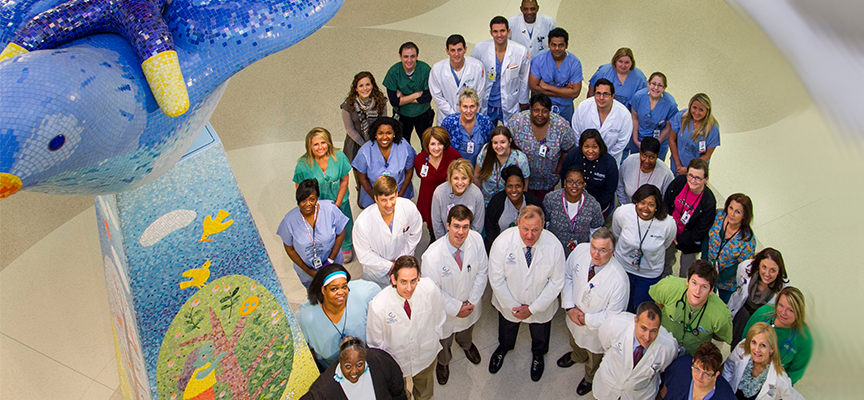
602, 246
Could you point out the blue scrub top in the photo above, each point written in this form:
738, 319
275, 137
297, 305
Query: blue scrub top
687, 148
323, 335
651, 120
544, 68
459, 137
294, 231
623, 91
370, 161
495, 94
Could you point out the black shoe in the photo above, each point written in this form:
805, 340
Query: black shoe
566, 361
537, 366
583, 388
442, 372
496, 360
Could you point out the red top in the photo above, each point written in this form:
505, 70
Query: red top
433, 178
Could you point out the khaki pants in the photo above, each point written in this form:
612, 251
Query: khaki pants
582, 356
687, 259
464, 339
423, 387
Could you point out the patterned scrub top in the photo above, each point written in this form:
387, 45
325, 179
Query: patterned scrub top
727, 257
558, 138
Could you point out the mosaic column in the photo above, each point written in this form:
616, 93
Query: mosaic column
197, 309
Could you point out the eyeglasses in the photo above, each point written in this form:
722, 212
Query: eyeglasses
704, 374
660, 85
694, 178
602, 251
574, 183
602, 94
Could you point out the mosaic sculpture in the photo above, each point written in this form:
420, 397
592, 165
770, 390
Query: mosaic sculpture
81, 119
192, 318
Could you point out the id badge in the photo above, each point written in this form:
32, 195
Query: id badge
424, 170
316, 263
703, 147
685, 217
586, 298
469, 148
386, 173
656, 134
637, 259
543, 150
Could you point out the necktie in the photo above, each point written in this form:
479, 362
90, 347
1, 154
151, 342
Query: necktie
528, 257
591, 272
407, 309
637, 354
459, 258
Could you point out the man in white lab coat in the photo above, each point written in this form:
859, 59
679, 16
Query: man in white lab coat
458, 264
638, 349
406, 320
385, 230
526, 272
595, 288
453, 74
507, 69
603, 113
530, 28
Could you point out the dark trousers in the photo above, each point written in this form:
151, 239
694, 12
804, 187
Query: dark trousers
639, 290
419, 124
507, 332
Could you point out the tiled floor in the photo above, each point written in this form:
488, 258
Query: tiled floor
55, 336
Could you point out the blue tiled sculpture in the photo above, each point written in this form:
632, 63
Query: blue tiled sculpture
81, 119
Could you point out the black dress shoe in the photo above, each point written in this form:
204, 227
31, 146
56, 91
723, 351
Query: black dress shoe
442, 372
496, 360
566, 361
537, 366
473, 354
583, 388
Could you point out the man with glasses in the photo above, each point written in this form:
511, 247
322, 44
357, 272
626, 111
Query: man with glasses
697, 377
595, 288
606, 115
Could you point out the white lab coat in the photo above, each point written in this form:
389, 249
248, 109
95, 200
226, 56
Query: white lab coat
443, 87
467, 284
775, 387
616, 131
413, 342
606, 295
514, 284
514, 75
537, 42
616, 377
740, 296
378, 247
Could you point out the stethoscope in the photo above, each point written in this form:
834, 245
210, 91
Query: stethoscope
688, 328
787, 344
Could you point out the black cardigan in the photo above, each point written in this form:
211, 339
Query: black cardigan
386, 378
494, 211
690, 240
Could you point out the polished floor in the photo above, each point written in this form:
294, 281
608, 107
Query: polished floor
777, 147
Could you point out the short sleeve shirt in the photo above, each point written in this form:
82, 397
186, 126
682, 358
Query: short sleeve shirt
329, 181
558, 138
676, 313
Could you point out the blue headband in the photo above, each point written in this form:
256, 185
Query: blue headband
333, 276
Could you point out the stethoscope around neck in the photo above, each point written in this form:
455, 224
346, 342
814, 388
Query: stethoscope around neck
688, 328
787, 344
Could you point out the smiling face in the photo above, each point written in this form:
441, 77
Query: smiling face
307, 206
603, 96
591, 150
698, 111
647, 161
647, 329
514, 188
768, 271
539, 114
459, 182
319, 147
436, 148
384, 136
702, 377
760, 349
734, 213
499, 33
468, 108
530, 230
645, 209
573, 186
409, 59
696, 180
364, 88
785, 314
529, 11
405, 282
602, 251
456, 52
336, 292
501, 145
558, 48
623, 65
353, 364
457, 231
656, 87
698, 290
386, 204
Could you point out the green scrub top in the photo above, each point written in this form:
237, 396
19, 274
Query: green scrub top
795, 352
716, 318
397, 80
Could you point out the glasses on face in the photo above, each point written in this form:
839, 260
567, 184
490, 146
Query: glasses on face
704, 374
602, 94
655, 84
569, 182
694, 178
602, 251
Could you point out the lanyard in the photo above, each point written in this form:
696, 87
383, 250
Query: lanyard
689, 207
639, 178
639, 226
344, 321
723, 242
312, 232
573, 218
458, 81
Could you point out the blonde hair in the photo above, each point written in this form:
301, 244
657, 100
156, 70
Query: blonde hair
771, 337
626, 52
440, 134
462, 165
796, 301
322, 133
707, 123
469, 93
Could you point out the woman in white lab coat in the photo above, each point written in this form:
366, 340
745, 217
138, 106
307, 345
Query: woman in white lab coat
759, 282
753, 368
389, 228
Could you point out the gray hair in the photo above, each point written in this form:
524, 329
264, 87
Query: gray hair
530, 211
604, 233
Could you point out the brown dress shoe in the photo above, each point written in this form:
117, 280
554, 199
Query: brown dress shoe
442, 372
473, 354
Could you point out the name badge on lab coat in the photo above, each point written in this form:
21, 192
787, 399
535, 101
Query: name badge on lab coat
424, 170
491, 75
543, 150
469, 148
703, 147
